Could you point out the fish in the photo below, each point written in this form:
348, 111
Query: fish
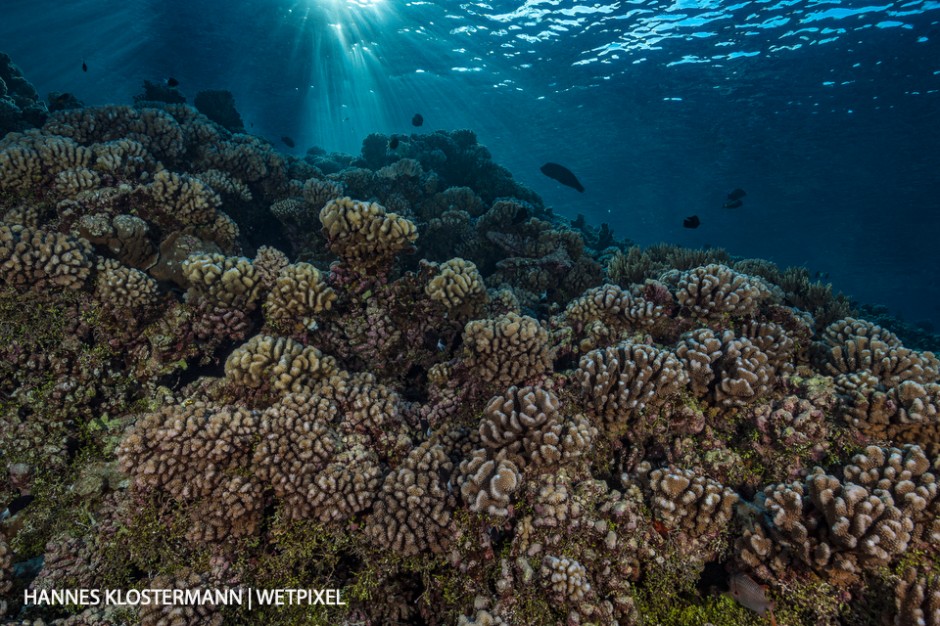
417, 120
691, 222
563, 175
752, 596
172, 82
84, 66
733, 204
393, 143
288, 141
737, 194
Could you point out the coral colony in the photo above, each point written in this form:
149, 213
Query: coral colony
399, 382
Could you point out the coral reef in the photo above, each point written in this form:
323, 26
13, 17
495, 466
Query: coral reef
224, 366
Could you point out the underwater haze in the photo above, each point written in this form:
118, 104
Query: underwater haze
827, 113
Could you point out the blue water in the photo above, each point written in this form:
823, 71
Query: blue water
826, 113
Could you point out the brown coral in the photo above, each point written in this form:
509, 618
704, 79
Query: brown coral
508, 350
231, 281
621, 382
299, 293
277, 363
363, 234
36, 259
414, 511
714, 290
458, 287
198, 455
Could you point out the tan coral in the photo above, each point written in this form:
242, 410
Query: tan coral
487, 481
714, 290
458, 287
279, 363
347, 485
851, 345
917, 597
841, 528
509, 418
508, 350
317, 192
621, 382
414, 510
71, 182
299, 294
198, 455
126, 236
566, 579
363, 234
906, 413
297, 443
183, 199
231, 281
732, 370
682, 499
156, 130
197, 614
269, 262
36, 259
118, 286
37, 158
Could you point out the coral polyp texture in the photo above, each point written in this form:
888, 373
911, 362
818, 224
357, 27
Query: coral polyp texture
399, 376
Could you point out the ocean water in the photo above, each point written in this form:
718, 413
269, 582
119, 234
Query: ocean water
826, 113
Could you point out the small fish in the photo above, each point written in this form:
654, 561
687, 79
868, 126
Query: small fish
691, 222
288, 141
563, 175
19, 503
393, 143
733, 204
62, 98
441, 346
84, 66
172, 82
737, 194
417, 120
821, 276
752, 596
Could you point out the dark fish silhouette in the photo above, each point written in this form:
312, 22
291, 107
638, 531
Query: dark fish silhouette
563, 175
84, 66
393, 143
691, 222
288, 141
737, 194
733, 204
417, 120
62, 98
172, 82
